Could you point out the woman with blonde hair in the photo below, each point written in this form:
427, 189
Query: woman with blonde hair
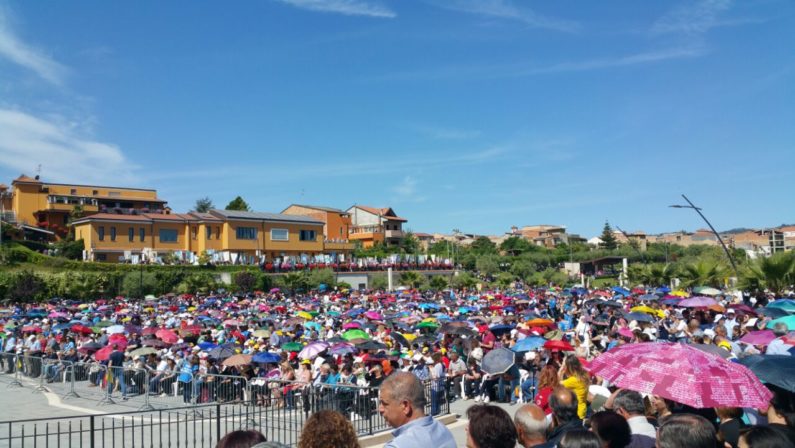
573, 376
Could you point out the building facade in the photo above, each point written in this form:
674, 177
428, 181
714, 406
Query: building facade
370, 225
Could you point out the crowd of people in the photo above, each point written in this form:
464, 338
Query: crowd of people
408, 348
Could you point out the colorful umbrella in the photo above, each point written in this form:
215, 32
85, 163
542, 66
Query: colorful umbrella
374, 315
304, 314
266, 358
539, 322
143, 351
237, 360
312, 350
706, 290
261, 334
561, 345
697, 302
774, 369
762, 337
784, 304
355, 334
342, 348
681, 373
529, 343
167, 336
789, 321
292, 346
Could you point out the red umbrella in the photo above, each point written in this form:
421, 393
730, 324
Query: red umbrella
81, 329
681, 373
191, 330
104, 353
148, 331
743, 309
561, 345
167, 336
31, 329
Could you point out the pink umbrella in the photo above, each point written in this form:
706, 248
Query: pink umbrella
232, 323
697, 302
351, 325
167, 336
681, 373
57, 314
374, 315
313, 349
762, 337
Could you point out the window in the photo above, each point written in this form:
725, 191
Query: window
209, 232
246, 233
218, 233
168, 236
307, 235
114, 194
73, 191
94, 192
280, 235
194, 232
141, 234
101, 233
131, 234
113, 233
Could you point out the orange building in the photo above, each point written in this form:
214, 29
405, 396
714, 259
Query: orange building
370, 225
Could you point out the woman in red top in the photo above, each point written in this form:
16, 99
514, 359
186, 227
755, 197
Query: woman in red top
547, 381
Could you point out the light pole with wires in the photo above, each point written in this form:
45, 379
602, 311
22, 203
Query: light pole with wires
720, 240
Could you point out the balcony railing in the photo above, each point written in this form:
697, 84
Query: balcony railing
366, 229
8, 217
393, 234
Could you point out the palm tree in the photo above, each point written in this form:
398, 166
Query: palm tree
774, 274
660, 274
703, 273
411, 279
295, 280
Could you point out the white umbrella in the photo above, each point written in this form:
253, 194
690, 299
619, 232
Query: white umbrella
115, 329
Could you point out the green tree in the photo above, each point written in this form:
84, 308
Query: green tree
138, 284
410, 244
238, 204
609, 241
322, 277
482, 245
72, 250
295, 281
488, 264
704, 272
378, 282
246, 281
515, 245
438, 282
774, 274
411, 279
522, 268
205, 204
505, 280
463, 280
26, 286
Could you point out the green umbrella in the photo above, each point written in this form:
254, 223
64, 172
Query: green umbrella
706, 290
292, 347
789, 321
105, 323
427, 325
10, 326
355, 334
333, 313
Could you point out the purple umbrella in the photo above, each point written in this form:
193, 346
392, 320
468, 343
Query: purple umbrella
342, 349
313, 349
697, 302
762, 337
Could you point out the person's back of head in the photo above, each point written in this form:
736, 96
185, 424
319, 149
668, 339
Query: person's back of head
579, 438
629, 403
782, 406
564, 404
763, 437
531, 425
328, 428
612, 429
686, 430
241, 439
490, 427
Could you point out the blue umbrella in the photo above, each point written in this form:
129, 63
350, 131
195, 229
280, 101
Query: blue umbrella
663, 290
620, 290
500, 328
266, 357
207, 345
785, 304
529, 343
640, 317
649, 297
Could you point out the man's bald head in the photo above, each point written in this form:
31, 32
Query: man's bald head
404, 386
531, 425
564, 404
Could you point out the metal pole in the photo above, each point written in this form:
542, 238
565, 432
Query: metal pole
720, 240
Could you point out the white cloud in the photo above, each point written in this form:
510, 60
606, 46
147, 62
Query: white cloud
692, 18
22, 54
444, 133
407, 187
345, 7
65, 156
505, 9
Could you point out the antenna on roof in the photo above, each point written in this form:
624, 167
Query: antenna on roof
38, 171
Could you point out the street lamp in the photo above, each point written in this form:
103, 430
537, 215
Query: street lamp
720, 240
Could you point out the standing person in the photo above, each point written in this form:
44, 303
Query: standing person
437, 383
402, 404
116, 366
547, 382
574, 377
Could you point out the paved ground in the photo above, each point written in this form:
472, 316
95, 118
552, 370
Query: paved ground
26, 402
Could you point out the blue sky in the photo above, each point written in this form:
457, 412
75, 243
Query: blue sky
468, 114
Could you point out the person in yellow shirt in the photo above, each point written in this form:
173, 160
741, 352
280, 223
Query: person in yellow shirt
574, 377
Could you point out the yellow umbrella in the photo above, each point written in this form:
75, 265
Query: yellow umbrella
192, 308
305, 315
680, 293
82, 306
429, 319
410, 336
648, 310
261, 334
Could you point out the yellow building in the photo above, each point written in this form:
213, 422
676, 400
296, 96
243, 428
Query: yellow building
227, 236
45, 205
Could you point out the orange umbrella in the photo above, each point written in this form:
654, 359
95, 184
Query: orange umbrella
237, 360
539, 322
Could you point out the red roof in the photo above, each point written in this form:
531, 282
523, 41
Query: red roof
25, 179
383, 212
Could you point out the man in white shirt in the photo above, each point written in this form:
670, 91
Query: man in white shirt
778, 346
629, 404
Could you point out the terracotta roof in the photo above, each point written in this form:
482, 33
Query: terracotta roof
112, 217
3, 187
423, 235
176, 217
381, 212
25, 179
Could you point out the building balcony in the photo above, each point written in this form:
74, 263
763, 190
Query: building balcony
338, 245
393, 234
8, 217
60, 207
